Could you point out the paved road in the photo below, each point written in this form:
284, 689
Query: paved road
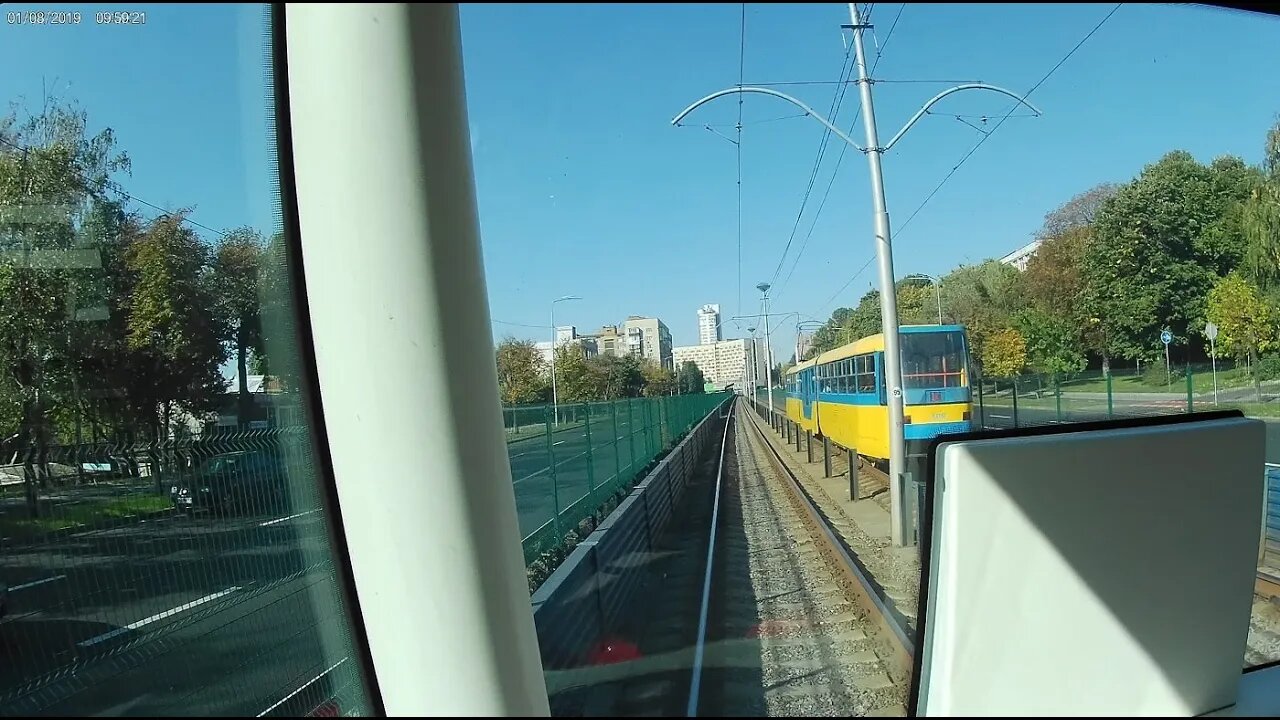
540, 490
176, 616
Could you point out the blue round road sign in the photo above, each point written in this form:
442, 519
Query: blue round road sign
1166, 337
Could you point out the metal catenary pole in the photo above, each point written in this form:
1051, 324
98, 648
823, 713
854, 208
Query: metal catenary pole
888, 293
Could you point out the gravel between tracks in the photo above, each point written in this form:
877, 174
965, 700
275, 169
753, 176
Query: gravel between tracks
809, 643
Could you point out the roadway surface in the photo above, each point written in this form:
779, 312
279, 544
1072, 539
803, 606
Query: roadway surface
231, 615
177, 616
556, 475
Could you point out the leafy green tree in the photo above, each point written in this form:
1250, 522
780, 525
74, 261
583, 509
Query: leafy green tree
279, 340
522, 373
1052, 343
237, 274
1004, 355
617, 377
576, 379
658, 381
51, 171
172, 322
983, 298
690, 379
1260, 224
917, 303
1159, 245
1246, 320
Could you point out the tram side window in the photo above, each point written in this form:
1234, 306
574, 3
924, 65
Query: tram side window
866, 374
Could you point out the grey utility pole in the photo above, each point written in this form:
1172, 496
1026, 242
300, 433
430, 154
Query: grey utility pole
884, 248
888, 295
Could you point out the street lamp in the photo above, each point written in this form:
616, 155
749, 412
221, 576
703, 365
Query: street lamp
884, 248
764, 289
555, 397
937, 287
768, 348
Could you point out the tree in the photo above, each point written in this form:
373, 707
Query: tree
617, 377
1077, 213
658, 381
522, 371
51, 171
1005, 353
237, 273
983, 298
576, 379
280, 339
917, 303
1246, 321
1260, 224
1159, 245
1052, 343
1052, 282
172, 324
690, 379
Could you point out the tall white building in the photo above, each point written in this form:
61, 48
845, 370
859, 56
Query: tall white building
722, 363
708, 324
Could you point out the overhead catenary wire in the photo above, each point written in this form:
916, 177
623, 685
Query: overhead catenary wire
845, 71
975, 147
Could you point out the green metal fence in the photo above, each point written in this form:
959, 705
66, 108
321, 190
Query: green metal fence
1131, 392
583, 453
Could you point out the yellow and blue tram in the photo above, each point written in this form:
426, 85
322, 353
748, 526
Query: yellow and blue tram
841, 393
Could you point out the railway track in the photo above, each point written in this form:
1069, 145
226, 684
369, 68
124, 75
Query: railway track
789, 627
751, 607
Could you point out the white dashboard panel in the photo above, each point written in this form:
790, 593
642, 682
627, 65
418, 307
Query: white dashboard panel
1092, 573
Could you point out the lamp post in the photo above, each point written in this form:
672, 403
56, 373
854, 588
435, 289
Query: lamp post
768, 347
555, 396
884, 249
937, 287
768, 351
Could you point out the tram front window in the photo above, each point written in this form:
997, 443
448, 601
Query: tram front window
933, 360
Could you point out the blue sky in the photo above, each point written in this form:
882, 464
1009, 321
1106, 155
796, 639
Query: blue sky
585, 188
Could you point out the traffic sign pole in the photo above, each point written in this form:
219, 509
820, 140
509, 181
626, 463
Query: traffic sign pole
1166, 337
1211, 331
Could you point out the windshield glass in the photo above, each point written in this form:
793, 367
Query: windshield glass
933, 360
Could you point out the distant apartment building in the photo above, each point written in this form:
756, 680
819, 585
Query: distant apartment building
723, 363
648, 338
1020, 257
566, 335
709, 324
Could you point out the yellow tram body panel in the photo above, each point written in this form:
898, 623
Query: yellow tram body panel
860, 420
795, 407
